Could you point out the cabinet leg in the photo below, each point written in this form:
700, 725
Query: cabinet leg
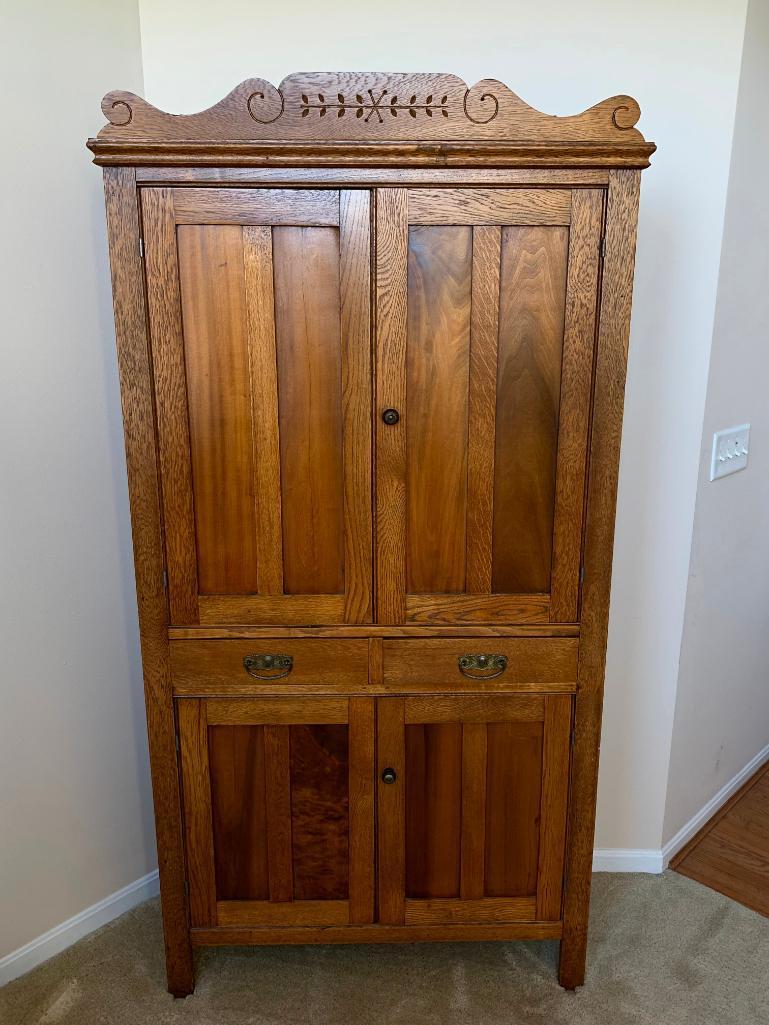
571, 962
180, 970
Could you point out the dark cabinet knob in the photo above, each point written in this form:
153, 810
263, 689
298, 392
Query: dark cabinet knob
391, 416
389, 775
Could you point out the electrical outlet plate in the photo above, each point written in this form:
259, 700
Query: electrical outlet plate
730, 451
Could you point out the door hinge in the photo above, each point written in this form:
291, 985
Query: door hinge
176, 742
165, 579
581, 575
186, 888
602, 247
141, 248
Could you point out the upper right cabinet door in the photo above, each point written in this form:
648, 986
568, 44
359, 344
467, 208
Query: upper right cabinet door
486, 321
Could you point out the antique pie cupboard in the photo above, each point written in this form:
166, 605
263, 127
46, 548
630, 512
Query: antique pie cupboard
372, 335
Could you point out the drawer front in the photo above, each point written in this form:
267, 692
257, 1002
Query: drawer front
470, 663
270, 665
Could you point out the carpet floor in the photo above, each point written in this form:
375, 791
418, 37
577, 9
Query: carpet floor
663, 951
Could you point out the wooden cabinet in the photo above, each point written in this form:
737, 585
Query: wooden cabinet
372, 336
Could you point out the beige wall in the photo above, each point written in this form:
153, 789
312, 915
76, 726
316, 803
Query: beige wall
681, 60
75, 809
722, 706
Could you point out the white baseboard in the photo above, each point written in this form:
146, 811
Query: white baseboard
618, 859
62, 936
693, 826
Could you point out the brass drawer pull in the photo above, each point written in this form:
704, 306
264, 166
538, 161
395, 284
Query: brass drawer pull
482, 667
268, 667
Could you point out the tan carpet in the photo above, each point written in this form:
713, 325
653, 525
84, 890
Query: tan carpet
664, 951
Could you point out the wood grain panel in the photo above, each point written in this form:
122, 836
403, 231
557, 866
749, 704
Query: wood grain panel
279, 609
513, 787
307, 328
279, 819
219, 401
378, 933
576, 373
263, 381
362, 741
391, 334
256, 206
484, 330
391, 865
606, 434
531, 319
491, 708
489, 206
473, 810
268, 711
533, 663
193, 738
239, 814
136, 389
437, 373
376, 630
300, 913
433, 809
355, 307
476, 608
165, 320
449, 912
320, 811
216, 666
556, 758
338, 177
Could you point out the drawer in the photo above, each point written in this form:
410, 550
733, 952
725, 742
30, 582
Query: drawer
498, 663
303, 665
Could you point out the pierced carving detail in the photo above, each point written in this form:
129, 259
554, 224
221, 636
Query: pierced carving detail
361, 106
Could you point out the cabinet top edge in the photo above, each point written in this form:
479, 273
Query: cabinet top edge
373, 119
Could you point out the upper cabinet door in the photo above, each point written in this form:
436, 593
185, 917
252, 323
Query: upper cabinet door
259, 318
486, 315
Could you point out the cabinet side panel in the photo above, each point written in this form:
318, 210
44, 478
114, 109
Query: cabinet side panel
143, 487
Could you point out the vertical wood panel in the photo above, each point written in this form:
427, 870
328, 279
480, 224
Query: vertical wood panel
260, 317
278, 793
433, 809
390, 812
193, 738
391, 319
307, 328
236, 764
514, 783
606, 433
362, 855
437, 375
144, 494
355, 305
219, 397
531, 319
474, 810
320, 774
556, 752
577, 368
482, 406
165, 318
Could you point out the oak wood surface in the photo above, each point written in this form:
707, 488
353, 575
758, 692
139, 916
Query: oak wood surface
488, 206
556, 753
373, 176
318, 913
279, 813
378, 933
142, 461
193, 737
298, 207
275, 710
606, 431
486, 909
474, 811
373, 117
391, 804
475, 608
376, 631
496, 708
362, 741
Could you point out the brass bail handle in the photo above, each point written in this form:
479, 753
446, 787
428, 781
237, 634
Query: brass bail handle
268, 667
482, 667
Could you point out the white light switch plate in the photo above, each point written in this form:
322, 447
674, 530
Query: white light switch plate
730, 451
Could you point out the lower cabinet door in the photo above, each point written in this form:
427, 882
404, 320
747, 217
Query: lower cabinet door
278, 810
471, 805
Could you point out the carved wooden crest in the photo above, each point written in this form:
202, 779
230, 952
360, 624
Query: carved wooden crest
326, 118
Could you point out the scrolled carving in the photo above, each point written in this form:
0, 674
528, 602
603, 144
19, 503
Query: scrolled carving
109, 109
260, 96
625, 116
481, 99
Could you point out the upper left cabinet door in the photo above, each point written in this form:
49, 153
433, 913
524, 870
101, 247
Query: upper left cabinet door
259, 307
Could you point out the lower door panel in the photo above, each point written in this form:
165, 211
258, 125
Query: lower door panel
472, 800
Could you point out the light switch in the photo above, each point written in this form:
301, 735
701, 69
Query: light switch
730, 451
